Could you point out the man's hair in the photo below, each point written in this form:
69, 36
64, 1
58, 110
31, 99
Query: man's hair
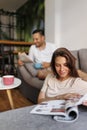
38, 31
70, 61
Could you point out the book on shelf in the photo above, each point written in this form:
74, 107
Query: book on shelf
60, 110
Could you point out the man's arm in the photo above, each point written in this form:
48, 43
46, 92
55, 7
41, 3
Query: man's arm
82, 74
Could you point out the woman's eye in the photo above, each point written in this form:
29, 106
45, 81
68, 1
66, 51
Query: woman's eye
57, 65
65, 65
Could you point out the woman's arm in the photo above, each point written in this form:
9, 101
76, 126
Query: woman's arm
67, 96
84, 103
42, 97
82, 75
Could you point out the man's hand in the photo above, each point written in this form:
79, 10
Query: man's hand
45, 65
20, 63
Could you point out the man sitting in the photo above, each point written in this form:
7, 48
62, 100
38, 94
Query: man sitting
40, 52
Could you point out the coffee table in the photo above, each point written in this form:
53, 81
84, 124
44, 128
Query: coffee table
22, 119
8, 88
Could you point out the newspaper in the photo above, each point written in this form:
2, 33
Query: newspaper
23, 57
60, 110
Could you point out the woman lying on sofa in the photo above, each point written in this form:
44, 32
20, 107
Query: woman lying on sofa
63, 82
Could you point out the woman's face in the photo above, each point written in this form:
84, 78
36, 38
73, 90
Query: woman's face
61, 67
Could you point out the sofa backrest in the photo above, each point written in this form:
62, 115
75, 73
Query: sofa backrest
75, 53
83, 59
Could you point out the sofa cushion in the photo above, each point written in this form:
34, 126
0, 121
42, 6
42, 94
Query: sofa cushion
82, 59
75, 54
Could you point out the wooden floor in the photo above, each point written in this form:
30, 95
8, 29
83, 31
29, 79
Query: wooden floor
18, 99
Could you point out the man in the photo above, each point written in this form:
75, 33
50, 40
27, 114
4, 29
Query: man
40, 52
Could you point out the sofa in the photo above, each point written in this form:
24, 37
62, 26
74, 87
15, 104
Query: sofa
31, 85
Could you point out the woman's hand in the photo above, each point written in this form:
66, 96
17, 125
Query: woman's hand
72, 95
84, 103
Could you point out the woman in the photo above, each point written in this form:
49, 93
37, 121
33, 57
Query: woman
64, 81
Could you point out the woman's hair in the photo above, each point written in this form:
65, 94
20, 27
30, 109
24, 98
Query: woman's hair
71, 61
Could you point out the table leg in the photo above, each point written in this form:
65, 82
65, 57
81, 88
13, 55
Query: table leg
10, 98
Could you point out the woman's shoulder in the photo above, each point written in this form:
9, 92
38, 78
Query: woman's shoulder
76, 78
80, 80
51, 75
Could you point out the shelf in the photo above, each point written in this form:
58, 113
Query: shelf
9, 42
11, 54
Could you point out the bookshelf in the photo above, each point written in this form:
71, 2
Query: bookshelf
9, 30
9, 57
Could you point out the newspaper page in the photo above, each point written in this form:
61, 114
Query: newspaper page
23, 57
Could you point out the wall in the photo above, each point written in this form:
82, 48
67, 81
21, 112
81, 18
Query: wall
66, 23
33, 15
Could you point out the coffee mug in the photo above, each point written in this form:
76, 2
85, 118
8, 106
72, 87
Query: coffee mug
8, 79
37, 65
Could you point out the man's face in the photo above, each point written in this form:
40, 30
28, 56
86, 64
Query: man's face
38, 39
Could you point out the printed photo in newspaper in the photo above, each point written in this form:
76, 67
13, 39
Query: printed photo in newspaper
60, 110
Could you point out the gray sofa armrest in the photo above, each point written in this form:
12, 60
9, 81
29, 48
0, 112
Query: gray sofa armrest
30, 86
